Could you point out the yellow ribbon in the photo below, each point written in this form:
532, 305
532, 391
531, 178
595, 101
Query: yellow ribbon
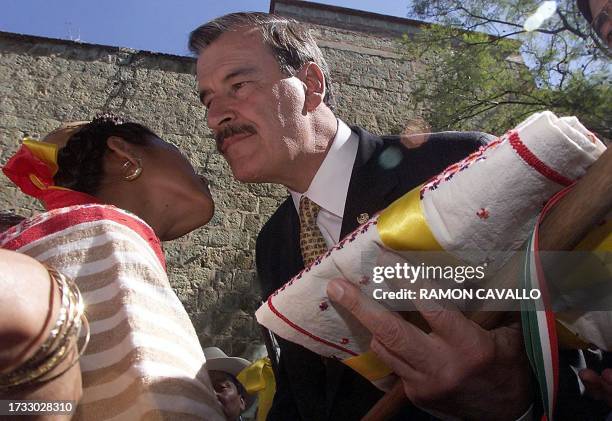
402, 225
369, 366
259, 378
46, 152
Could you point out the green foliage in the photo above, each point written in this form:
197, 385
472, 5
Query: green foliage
491, 81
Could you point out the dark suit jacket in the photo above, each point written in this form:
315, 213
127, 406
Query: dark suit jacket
307, 387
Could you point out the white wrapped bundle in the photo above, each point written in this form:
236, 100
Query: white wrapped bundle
487, 202
494, 204
301, 312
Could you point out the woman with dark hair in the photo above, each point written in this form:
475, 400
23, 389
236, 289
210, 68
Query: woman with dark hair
112, 191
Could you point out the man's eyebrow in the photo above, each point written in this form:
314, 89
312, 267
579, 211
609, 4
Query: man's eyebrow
241, 71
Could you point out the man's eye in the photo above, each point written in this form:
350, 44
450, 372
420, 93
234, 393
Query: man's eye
238, 85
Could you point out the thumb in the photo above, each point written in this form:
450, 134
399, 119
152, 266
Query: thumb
348, 296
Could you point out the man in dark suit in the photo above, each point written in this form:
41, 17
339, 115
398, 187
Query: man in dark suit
269, 98
309, 387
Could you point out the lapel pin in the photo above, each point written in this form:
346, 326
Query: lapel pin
363, 218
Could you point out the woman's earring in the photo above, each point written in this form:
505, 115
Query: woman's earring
135, 173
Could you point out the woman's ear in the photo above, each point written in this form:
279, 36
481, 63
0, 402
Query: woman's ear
123, 158
314, 80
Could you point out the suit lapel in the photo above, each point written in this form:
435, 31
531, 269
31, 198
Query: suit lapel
370, 183
293, 259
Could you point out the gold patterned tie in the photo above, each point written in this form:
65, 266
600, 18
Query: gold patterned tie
312, 243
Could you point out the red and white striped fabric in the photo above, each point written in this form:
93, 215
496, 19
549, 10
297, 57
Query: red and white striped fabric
144, 360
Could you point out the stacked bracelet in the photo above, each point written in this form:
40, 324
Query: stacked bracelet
62, 339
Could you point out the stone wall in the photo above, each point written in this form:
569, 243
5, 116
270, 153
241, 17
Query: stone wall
44, 82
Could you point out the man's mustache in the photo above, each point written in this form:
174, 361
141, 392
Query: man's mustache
231, 130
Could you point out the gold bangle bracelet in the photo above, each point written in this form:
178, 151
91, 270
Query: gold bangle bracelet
61, 340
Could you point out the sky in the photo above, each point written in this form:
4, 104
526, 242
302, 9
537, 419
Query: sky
152, 25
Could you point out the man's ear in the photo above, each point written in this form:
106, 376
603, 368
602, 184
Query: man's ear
242, 403
313, 78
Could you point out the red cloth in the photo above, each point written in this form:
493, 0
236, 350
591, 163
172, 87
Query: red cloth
24, 165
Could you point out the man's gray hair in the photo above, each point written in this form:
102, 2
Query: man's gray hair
289, 41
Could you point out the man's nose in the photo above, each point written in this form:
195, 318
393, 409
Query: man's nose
220, 113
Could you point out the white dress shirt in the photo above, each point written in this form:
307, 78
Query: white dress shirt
329, 186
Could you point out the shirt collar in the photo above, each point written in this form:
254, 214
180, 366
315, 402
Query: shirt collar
329, 186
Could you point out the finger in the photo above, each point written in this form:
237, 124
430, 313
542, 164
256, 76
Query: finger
589, 376
448, 323
395, 333
400, 367
592, 382
446, 320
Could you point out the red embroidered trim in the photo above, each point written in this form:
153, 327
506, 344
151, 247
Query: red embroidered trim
305, 332
449, 172
362, 229
87, 214
535, 162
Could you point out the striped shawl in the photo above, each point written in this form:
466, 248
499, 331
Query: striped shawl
144, 360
